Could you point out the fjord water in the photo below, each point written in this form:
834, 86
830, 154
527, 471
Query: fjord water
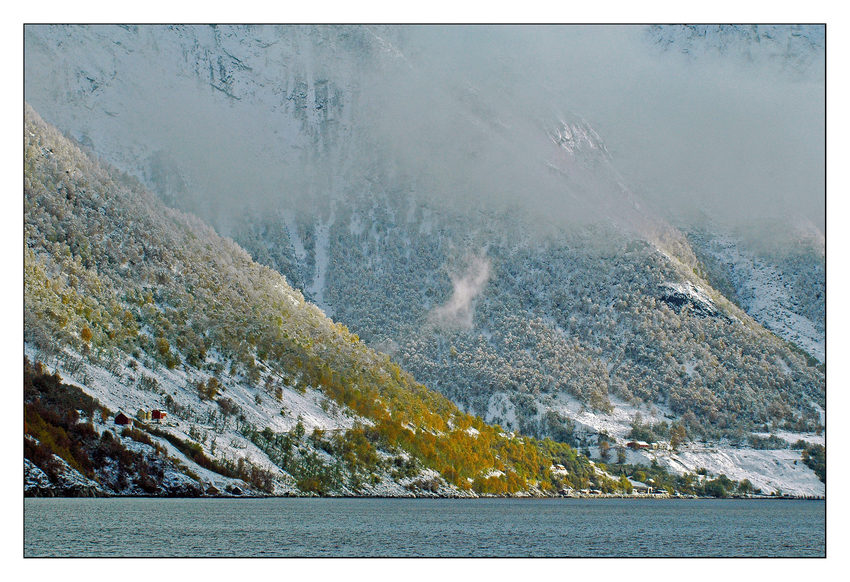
140, 527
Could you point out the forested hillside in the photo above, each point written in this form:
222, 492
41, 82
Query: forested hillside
558, 316
477, 204
147, 307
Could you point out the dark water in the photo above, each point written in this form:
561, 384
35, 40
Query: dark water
422, 527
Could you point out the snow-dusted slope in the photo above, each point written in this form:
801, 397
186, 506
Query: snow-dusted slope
770, 470
767, 297
129, 388
783, 289
296, 142
145, 307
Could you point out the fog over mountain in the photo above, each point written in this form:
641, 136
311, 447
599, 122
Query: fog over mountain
557, 227
460, 111
729, 135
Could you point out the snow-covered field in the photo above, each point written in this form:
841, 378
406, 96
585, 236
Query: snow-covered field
618, 423
779, 470
769, 470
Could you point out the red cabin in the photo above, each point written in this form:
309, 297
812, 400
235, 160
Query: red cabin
122, 419
158, 415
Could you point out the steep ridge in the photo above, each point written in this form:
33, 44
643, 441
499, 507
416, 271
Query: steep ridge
147, 308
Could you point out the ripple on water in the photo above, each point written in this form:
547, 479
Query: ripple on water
422, 527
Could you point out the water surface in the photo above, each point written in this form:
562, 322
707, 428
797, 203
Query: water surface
136, 527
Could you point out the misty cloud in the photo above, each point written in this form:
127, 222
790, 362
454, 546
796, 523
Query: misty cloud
735, 138
458, 311
460, 115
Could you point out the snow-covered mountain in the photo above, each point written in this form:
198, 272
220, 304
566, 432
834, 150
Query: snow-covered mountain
512, 266
796, 50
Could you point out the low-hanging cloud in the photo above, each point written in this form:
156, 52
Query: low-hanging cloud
735, 137
458, 311
461, 114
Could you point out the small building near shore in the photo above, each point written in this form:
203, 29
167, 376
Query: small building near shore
637, 445
639, 487
158, 416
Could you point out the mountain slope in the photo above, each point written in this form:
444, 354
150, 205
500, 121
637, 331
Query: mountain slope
780, 283
508, 308
147, 307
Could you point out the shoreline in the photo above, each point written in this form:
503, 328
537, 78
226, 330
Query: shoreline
83, 495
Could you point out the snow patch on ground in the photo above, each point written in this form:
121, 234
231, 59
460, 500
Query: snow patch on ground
120, 390
292, 228
617, 424
809, 437
779, 470
770, 470
34, 478
783, 365
316, 287
500, 410
767, 297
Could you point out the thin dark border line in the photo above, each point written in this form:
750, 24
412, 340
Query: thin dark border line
825, 172
472, 24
